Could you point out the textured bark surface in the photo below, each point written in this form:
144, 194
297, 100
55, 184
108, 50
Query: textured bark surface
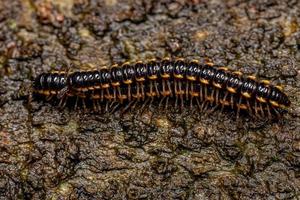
47, 153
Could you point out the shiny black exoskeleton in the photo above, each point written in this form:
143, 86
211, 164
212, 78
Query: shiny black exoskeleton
208, 73
83, 79
153, 68
164, 78
140, 70
263, 90
75, 80
272, 94
221, 77
105, 76
249, 86
278, 96
180, 68
166, 67
128, 72
116, 75
192, 69
234, 82
50, 81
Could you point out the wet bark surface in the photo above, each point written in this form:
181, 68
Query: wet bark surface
48, 153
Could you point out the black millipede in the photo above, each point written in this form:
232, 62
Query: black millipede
184, 82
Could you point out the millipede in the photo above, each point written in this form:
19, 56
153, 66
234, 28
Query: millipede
184, 82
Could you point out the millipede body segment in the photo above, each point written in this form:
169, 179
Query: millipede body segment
49, 84
192, 82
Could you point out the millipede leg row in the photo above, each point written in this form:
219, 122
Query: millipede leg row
185, 82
